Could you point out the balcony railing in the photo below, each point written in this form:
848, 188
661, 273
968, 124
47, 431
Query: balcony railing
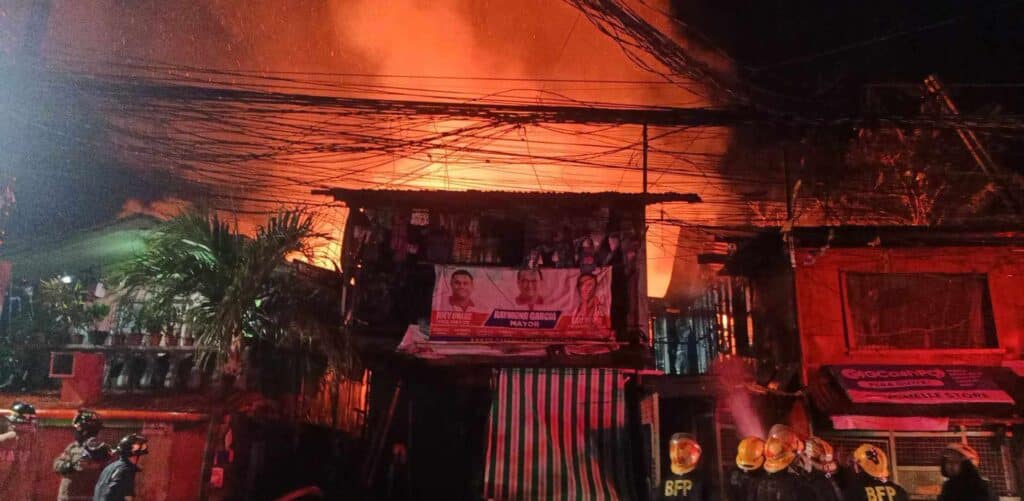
147, 368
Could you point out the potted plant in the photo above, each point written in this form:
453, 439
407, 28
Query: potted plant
148, 323
117, 338
164, 325
134, 339
96, 337
187, 339
64, 313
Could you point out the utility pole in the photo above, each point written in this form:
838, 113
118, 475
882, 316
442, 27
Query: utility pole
645, 156
789, 187
1008, 190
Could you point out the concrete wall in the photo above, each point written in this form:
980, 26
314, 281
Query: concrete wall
171, 471
820, 313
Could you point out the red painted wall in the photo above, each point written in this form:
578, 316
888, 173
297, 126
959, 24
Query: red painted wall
171, 471
820, 308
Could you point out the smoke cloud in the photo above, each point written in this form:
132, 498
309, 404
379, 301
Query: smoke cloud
539, 49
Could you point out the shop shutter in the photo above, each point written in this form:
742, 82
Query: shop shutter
558, 434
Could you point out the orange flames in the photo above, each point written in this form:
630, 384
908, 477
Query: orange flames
535, 49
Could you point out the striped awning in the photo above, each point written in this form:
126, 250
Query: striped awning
558, 434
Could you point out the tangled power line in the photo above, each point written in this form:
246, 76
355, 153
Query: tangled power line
267, 139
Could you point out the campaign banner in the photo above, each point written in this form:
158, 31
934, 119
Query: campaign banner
488, 304
918, 384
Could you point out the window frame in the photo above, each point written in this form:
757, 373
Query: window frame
988, 315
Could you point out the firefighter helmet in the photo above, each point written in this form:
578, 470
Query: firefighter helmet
964, 452
778, 455
133, 445
750, 454
820, 454
787, 435
22, 413
684, 452
88, 421
872, 460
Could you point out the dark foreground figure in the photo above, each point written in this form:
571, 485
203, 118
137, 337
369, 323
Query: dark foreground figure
964, 482
117, 481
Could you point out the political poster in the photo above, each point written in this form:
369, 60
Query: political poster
490, 304
918, 384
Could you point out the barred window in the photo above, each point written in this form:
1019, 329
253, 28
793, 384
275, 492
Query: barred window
918, 310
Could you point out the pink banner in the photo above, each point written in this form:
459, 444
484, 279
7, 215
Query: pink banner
918, 384
505, 304
886, 423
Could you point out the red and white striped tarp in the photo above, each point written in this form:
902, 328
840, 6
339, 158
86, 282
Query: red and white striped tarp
558, 434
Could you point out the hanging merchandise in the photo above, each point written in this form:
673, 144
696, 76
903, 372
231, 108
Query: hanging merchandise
462, 248
439, 245
535, 259
420, 217
586, 257
399, 237
609, 250
417, 241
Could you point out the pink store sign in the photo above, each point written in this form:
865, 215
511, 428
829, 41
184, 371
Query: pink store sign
918, 384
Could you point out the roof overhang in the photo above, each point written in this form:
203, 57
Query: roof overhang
477, 198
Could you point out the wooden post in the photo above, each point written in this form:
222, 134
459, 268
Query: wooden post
383, 436
645, 156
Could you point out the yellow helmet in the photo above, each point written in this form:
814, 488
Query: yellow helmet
684, 451
820, 454
965, 452
750, 454
787, 435
872, 460
777, 455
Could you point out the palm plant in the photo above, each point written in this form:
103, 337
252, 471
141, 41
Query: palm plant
223, 280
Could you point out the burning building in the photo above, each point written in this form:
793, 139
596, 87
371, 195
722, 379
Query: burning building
505, 332
906, 338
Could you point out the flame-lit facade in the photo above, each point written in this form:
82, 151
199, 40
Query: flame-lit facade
907, 338
453, 405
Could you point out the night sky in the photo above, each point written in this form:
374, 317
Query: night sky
814, 54
826, 51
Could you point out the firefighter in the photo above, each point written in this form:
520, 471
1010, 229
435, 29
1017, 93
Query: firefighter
744, 478
782, 481
960, 464
792, 439
80, 464
117, 481
683, 483
20, 420
820, 468
18, 449
870, 481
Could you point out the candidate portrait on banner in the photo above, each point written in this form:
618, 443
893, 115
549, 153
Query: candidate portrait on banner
509, 304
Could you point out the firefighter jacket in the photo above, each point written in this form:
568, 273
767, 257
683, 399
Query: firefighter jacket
823, 487
117, 481
742, 485
79, 472
686, 487
864, 487
967, 485
784, 485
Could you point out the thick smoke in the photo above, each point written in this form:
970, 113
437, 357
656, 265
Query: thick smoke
533, 45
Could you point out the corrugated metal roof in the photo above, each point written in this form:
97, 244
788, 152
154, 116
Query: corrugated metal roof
428, 198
